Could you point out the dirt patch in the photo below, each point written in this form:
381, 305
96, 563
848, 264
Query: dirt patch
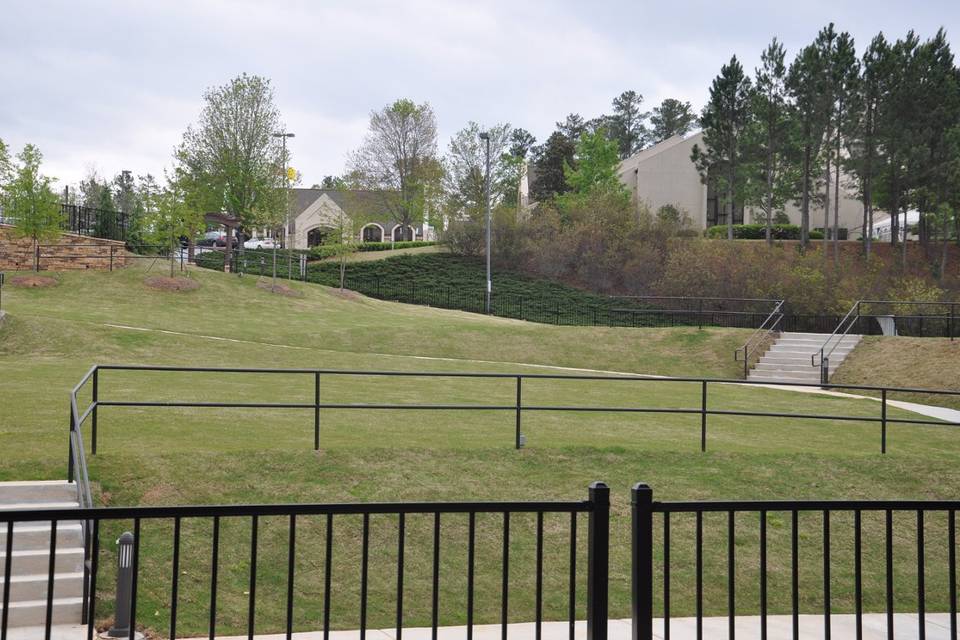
166, 283
279, 288
33, 281
346, 294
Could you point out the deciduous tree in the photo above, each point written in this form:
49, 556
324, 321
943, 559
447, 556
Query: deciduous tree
398, 160
30, 201
234, 159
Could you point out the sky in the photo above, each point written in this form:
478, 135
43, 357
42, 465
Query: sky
110, 85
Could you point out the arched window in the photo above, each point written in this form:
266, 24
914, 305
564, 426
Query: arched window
402, 233
317, 236
372, 233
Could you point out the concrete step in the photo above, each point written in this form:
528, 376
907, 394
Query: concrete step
36, 535
793, 352
34, 586
46, 491
811, 382
26, 506
34, 561
810, 347
765, 366
33, 612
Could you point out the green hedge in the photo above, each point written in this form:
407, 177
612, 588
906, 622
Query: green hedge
388, 246
759, 232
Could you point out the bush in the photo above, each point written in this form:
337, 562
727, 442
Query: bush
389, 246
759, 232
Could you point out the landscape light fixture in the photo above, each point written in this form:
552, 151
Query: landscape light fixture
485, 136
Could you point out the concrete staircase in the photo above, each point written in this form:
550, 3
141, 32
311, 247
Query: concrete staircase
30, 557
788, 359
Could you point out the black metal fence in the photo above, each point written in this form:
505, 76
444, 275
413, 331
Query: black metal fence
516, 409
596, 507
97, 256
99, 223
645, 549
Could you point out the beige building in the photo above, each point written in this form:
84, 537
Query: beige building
664, 175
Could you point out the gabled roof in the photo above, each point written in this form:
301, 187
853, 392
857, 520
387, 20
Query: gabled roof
660, 147
347, 199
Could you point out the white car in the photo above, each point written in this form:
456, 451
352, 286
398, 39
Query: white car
259, 243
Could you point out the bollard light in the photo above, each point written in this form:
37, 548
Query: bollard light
121, 622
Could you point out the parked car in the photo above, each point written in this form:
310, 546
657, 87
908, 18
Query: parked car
259, 243
213, 239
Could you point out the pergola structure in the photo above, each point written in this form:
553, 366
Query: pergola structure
229, 221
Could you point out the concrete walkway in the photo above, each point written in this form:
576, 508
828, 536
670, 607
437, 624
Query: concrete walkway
906, 627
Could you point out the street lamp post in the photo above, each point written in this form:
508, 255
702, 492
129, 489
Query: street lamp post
485, 136
283, 135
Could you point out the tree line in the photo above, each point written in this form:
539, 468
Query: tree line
883, 124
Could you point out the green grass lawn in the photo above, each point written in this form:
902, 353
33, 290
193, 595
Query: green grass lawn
179, 456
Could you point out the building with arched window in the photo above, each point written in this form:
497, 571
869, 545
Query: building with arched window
315, 214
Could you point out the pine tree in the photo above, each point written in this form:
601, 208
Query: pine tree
671, 118
626, 125
724, 120
769, 135
845, 75
805, 80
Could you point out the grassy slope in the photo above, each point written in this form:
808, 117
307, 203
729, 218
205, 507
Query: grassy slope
173, 457
926, 363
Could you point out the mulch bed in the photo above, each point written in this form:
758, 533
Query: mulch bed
33, 281
166, 283
280, 288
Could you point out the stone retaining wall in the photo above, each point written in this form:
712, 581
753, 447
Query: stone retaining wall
70, 251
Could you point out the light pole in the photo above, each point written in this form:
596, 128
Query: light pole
283, 135
485, 136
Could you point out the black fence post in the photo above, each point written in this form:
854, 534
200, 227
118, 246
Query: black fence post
953, 307
641, 569
316, 410
36, 258
111, 257
519, 436
598, 567
703, 416
93, 415
883, 421
73, 427
700, 316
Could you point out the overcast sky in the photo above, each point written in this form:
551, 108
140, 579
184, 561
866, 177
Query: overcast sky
111, 85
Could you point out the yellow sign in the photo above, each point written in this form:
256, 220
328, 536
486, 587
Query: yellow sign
291, 174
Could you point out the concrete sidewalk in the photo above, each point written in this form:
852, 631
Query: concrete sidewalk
906, 627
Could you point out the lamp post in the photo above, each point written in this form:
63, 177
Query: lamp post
283, 135
485, 136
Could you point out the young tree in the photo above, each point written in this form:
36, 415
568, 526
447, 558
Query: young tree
671, 118
232, 153
398, 159
30, 201
626, 125
595, 173
768, 136
805, 80
6, 167
465, 168
105, 226
724, 120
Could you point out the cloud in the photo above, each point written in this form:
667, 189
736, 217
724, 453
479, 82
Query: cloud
113, 84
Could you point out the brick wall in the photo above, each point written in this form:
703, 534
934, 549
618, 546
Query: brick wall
70, 251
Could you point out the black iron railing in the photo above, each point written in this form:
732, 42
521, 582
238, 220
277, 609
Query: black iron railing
517, 408
760, 339
91, 221
596, 508
645, 549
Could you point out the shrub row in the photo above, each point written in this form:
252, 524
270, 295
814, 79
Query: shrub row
759, 232
387, 246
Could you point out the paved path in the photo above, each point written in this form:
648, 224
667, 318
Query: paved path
906, 627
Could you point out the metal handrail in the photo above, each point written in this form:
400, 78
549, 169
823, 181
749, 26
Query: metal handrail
762, 332
850, 320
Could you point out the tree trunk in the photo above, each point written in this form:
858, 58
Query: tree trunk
826, 209
805, 201
943, 248
343, 267
769, 196
836, 199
